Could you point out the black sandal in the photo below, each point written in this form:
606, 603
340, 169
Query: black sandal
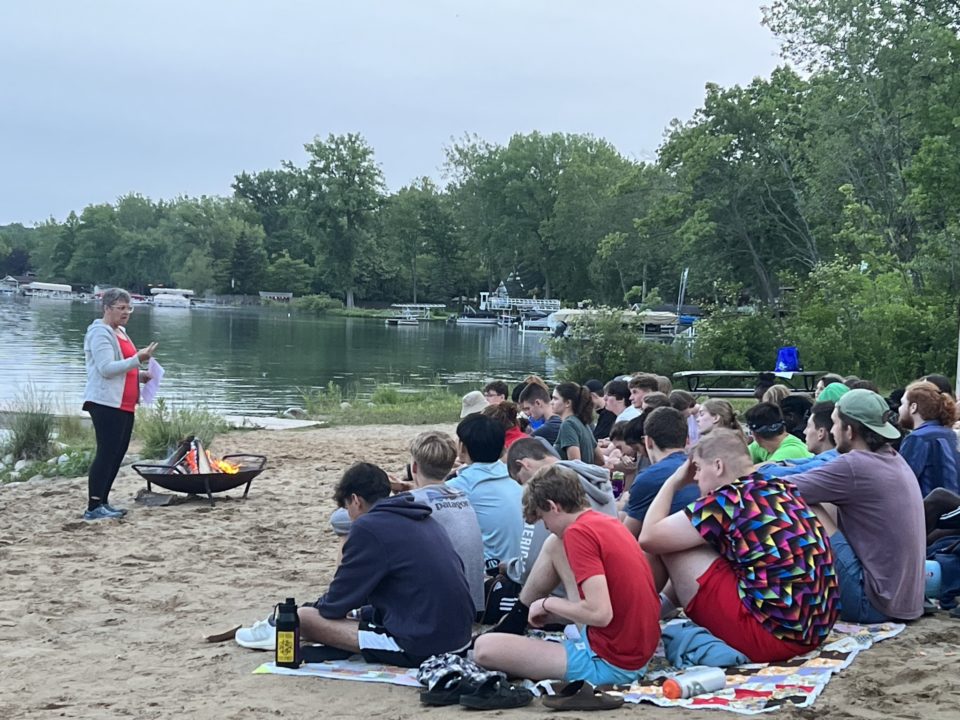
448, 689
495, 693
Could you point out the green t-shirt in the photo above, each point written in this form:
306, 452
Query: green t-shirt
574, 433
792, 448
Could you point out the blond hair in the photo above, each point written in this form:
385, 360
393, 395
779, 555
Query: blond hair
775, 394
434, 452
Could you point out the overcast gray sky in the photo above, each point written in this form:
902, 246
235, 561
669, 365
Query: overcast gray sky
102, 98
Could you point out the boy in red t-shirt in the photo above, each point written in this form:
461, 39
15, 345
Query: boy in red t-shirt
609, 587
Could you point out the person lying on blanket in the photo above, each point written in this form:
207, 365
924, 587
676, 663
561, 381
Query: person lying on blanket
609, 593
400, 568
749, 560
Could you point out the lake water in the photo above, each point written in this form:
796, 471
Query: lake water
253, 360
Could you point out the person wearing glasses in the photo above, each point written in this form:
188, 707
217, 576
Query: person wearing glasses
111, 396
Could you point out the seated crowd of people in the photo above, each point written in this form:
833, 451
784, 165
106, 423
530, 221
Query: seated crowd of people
764, 532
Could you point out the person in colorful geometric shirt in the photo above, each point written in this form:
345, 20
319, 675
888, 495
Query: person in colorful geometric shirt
749, 560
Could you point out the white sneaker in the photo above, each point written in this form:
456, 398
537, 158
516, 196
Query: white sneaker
261, 636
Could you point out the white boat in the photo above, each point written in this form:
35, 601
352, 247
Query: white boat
537, 324
171, 297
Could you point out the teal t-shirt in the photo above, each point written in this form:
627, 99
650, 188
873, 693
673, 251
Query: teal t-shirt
573, 433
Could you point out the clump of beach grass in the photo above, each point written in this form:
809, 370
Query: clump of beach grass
31, 425
161, 427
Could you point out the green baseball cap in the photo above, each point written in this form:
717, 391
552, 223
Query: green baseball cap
833, 392
867, 407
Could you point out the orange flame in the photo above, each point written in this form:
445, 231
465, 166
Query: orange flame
190, 463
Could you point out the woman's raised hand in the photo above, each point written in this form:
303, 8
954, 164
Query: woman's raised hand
147, 352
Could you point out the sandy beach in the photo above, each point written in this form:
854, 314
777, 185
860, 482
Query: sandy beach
107, 619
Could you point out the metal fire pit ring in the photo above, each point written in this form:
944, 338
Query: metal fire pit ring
170, 477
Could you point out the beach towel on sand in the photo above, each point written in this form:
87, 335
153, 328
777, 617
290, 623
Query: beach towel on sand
750, 689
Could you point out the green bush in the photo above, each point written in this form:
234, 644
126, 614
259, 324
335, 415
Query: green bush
31, 425
73, 431
730, 339
317, 401
160, 428
317, 304
606, 347
387, 395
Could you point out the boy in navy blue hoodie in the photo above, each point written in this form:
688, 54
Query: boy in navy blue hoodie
394, 551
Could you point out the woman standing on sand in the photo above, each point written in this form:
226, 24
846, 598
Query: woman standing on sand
111, 396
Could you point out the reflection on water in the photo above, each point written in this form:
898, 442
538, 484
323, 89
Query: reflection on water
252, 360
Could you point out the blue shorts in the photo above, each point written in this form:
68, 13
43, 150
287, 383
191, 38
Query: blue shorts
855, 606
582, 664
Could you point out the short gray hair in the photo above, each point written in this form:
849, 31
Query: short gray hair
114, 295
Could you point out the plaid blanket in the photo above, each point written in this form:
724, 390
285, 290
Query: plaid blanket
754, 689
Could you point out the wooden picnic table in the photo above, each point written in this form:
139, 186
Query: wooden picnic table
723, 383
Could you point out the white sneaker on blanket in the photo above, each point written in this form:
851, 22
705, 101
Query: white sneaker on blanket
261, 636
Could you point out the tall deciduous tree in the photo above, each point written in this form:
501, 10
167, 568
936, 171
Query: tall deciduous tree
340, 191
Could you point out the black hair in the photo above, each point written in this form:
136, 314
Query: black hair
497, 386
822, 414
581, 402
366, 480
765, 420
482, 436
864, 385
796, 410
618, 389
941, 381
633, 432
517, 391
616, 432
765, 381
830, 378
533, 392
666, 427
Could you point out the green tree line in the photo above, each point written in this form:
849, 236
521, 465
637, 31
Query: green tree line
825, 197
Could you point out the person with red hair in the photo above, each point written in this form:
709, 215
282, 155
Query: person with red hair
931, 449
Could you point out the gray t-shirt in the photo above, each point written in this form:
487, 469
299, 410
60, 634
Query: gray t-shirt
453, 511
880, 513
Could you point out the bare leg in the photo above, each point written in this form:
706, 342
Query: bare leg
685, 568
660, 576
342, 634
521, 656
827, 515
551, 568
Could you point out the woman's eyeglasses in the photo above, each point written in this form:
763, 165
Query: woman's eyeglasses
123, 308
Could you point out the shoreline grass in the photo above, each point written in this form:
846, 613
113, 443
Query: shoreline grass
387, 405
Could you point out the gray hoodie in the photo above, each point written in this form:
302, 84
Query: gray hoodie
106, 367
595, 482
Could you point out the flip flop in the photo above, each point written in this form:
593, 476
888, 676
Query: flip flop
495, 693
581, 695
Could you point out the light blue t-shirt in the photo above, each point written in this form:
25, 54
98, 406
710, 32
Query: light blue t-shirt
496, 498
794, 467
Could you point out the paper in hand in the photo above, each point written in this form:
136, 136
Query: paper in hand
148, 393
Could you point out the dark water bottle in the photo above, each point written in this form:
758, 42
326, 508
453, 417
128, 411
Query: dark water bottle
617, 480
288, 635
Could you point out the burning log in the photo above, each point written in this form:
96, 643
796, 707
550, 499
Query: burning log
196, 460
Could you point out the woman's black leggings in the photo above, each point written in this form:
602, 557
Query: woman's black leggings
113, 428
